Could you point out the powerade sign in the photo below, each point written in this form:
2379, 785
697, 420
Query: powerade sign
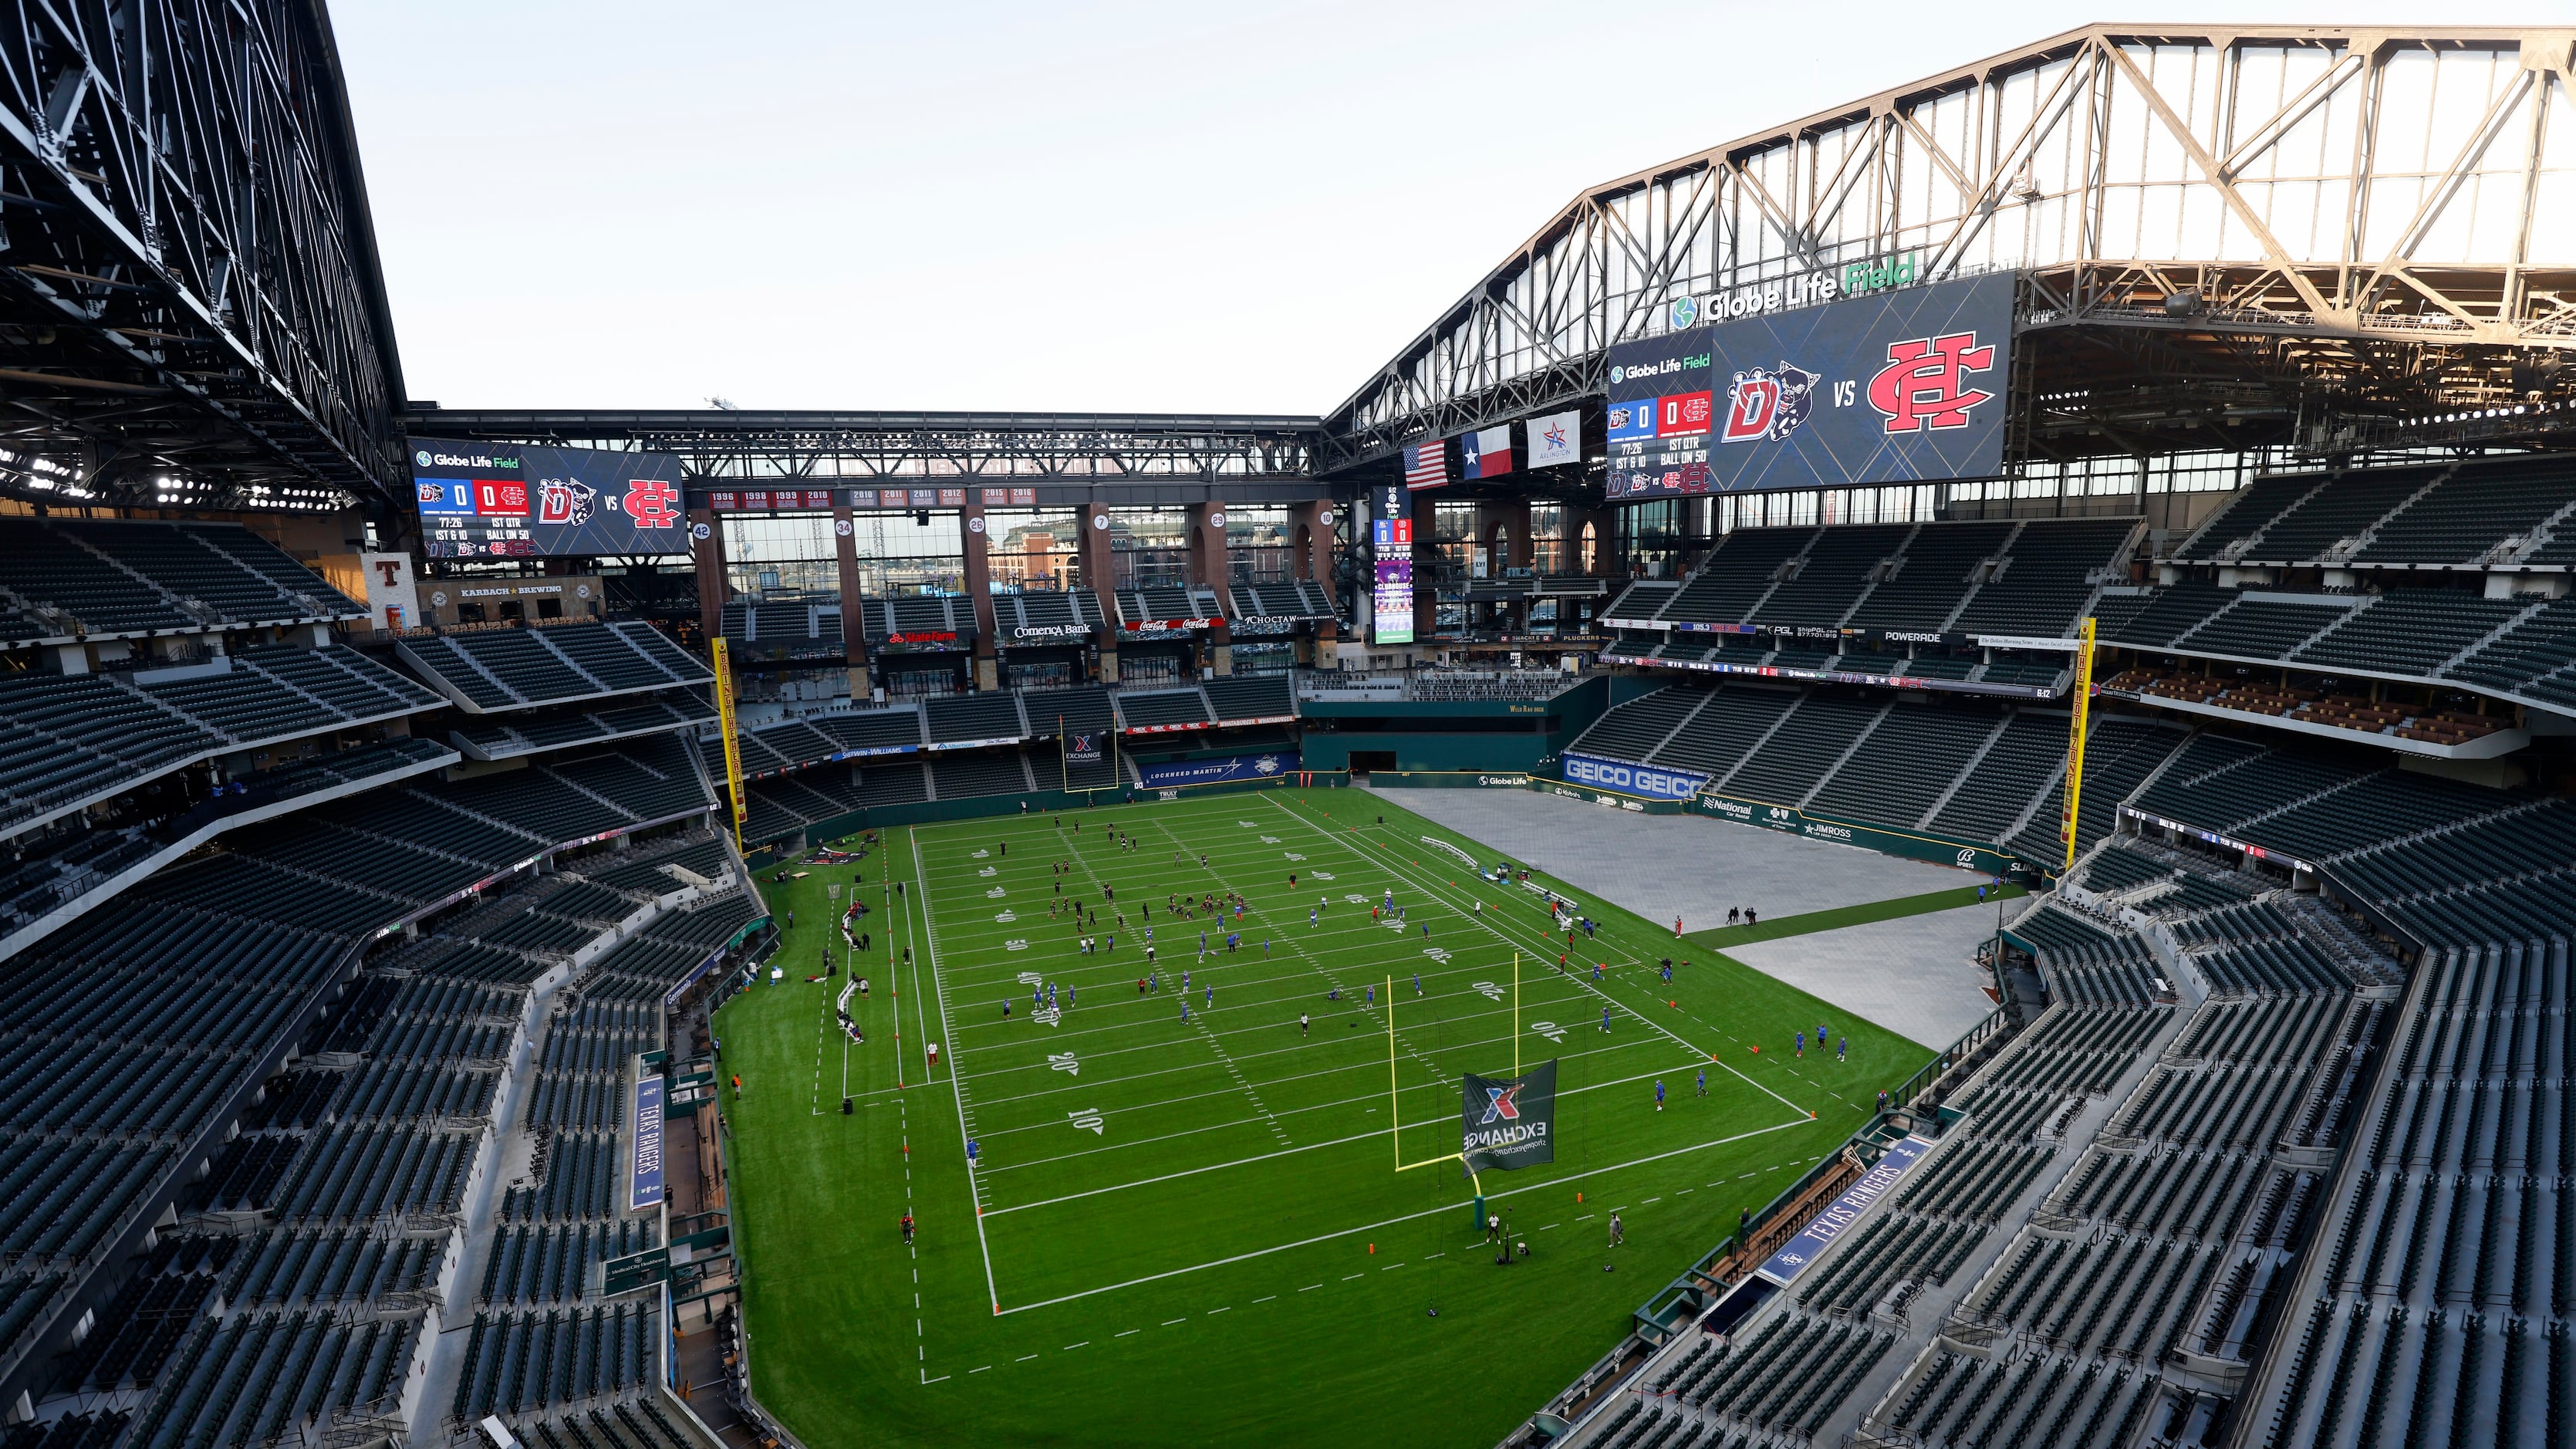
1838, 1216
1214, 772
500, 500
1902, 386
1646, 780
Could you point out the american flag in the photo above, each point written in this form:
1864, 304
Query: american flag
1427, 466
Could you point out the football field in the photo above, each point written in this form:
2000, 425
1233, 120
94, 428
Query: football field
1183, 1219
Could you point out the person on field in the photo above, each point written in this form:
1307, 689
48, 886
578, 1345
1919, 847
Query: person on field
1618, 1231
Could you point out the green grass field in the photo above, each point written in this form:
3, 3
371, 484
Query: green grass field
1192, 1231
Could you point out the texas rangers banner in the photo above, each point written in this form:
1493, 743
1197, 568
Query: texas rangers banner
1901, 386
1214, 772
1556, 438
1838, 1216
1508, 1122
1486, 453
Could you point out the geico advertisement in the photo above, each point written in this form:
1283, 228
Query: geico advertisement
1633, 779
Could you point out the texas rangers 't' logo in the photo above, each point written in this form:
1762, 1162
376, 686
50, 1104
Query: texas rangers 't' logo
1503, 1104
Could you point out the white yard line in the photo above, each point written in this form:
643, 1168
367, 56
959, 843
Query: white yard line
957, 1090
1390, 1222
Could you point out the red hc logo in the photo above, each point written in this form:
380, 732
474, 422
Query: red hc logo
1924, 382
654, 503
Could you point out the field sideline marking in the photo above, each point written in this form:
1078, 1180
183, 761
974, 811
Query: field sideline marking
1451, 1208
1482, 918
957, 1090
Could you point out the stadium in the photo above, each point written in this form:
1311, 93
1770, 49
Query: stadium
1906, 784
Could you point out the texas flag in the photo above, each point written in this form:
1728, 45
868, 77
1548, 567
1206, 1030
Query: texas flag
1486, 454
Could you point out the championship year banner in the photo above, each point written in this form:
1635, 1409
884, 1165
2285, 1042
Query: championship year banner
1838, 1216
1216, 772
1508, 1122
1896, 387
1648, 780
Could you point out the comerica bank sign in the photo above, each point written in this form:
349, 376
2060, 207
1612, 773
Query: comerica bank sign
1644, 780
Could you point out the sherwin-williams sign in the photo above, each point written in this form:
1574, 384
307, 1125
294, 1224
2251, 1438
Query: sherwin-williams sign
1648, 780
1843, 1211
1903, 386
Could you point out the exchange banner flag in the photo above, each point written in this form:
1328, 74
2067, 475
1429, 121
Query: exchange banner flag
1509, 1122
1556, 438
1486, 453
1081, 748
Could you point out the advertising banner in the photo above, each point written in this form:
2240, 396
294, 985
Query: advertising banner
1213, 772
1843, 1211
1900, 386
1971, 855
1651, 781
1508, 1122
500, 500
1084, 748
645, 1176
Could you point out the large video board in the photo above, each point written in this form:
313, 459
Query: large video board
1904, 386
499, 500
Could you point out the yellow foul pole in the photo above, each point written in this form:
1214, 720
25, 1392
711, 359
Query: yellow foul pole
2075, 741
732, 746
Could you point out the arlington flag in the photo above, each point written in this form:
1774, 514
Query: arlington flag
1509, 1122
1557, 438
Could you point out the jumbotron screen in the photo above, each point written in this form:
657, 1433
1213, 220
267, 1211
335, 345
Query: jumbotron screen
500, 500
1898, 387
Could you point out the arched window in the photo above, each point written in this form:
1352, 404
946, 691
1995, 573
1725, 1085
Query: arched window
1590, 550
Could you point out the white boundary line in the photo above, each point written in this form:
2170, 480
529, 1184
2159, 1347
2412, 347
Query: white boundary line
956, 1090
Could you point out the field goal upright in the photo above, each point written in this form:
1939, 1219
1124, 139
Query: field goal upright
1394, 1112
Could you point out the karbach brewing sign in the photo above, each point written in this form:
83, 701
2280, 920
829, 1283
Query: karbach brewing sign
1900, 386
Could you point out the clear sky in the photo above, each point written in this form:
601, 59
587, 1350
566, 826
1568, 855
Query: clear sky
1098, 207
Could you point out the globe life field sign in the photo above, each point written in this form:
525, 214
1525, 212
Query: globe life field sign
501, 500
1899, 386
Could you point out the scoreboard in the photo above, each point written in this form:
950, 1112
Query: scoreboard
499, 500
